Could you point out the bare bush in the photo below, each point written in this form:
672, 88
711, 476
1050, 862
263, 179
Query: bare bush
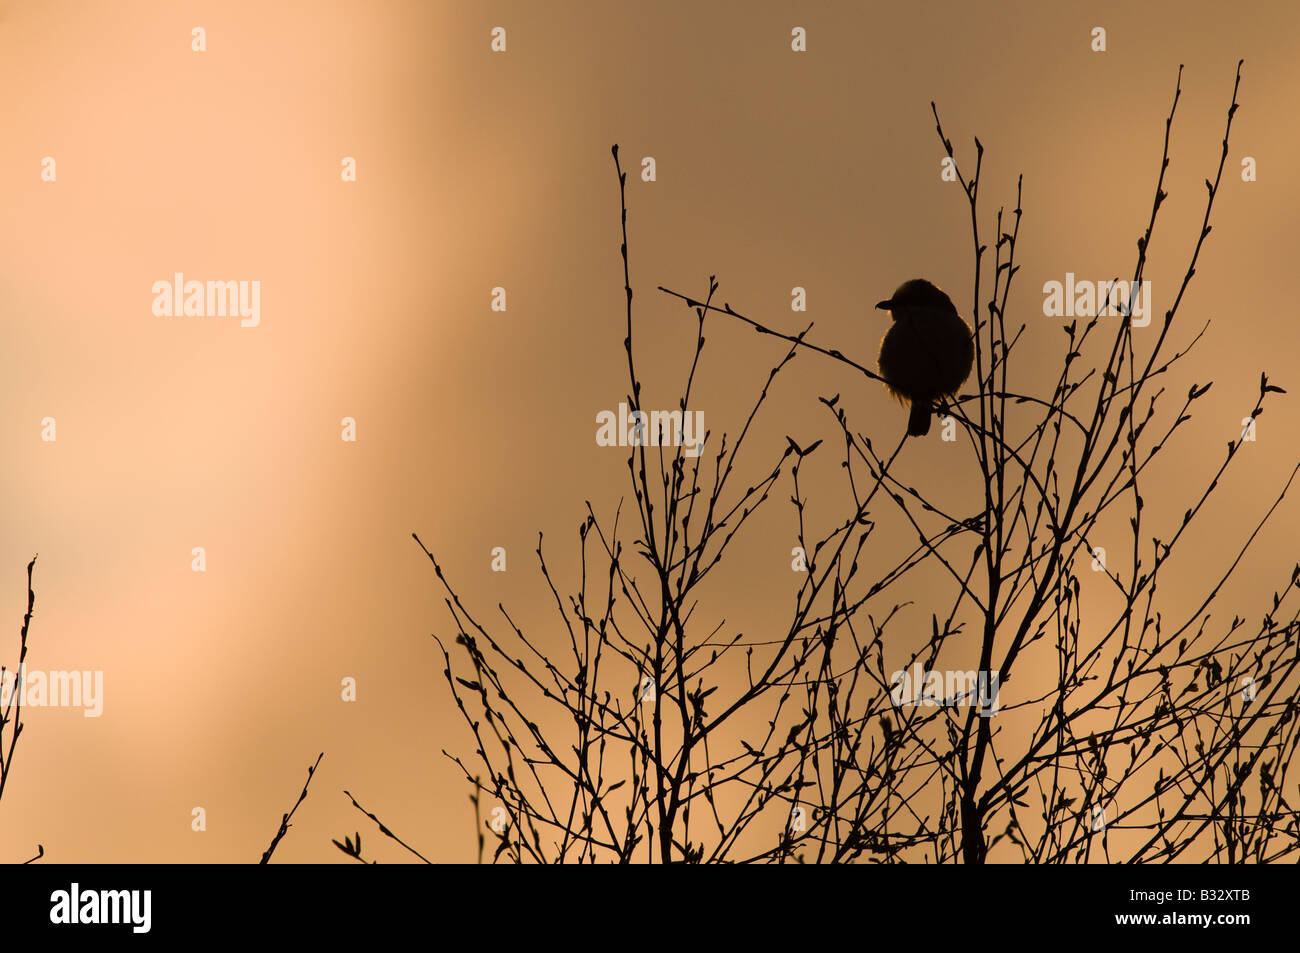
1119, 729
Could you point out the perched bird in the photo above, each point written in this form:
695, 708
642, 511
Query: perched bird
927, 352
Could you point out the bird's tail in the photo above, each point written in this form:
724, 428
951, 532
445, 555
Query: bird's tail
918, 421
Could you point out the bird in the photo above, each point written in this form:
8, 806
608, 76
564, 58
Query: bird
927, 353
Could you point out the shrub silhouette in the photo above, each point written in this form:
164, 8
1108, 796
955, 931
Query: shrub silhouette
1134, 732
11, 700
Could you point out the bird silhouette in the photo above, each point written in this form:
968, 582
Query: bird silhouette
927, 353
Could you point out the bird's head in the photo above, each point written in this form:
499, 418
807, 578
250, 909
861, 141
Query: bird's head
917, 293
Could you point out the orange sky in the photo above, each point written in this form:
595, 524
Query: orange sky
475, 428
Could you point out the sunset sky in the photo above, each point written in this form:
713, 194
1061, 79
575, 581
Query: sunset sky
476, 428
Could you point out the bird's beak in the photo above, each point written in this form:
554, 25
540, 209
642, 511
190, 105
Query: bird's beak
885, 305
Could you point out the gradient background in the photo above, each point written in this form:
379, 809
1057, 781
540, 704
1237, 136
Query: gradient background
476, 428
